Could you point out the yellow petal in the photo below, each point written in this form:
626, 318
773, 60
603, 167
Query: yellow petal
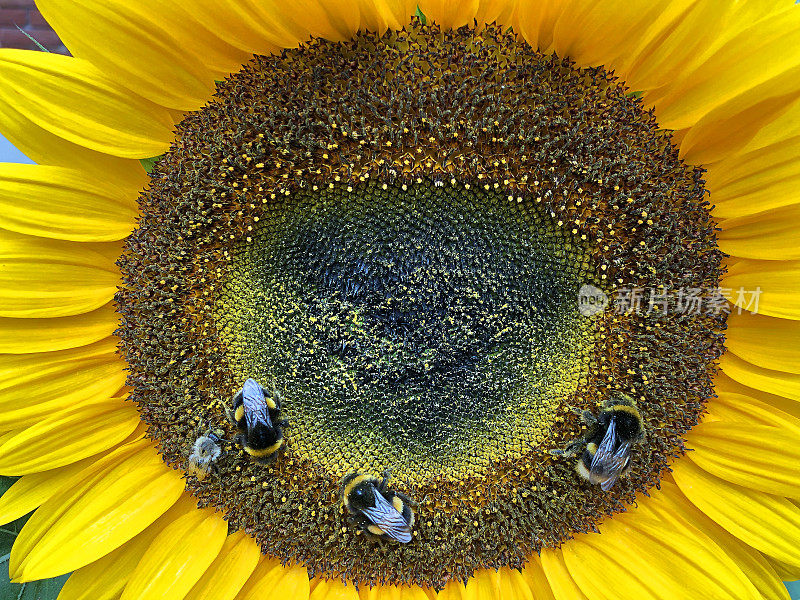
513, 585
767, 523
766, 342
595, 33
724, 385
774, 382
671, 16
778, 131
31, 491
192, 36
754, 456
760, 180
784, 570
101, 512
678, 47
454, 590
332, 589
734, 407
272, 580
669, 503
335, 20
378, 15
244, 25
68, 436
46, 148
778, 282
768, 235
49, 278
178, 557
765, 54
228, 573
535, 22
558, 576
537, 580
37, 385
105, 578
449, 14
393, 592
74, 100
65, 204
729, 127
613, 563
485, 583
153, 63
24, 336
495, 11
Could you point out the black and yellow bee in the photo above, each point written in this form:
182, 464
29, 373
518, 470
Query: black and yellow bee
255, 413
376, 509
606, 447
205, 452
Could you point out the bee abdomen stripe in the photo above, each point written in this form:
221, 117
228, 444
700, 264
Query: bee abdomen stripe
259, 452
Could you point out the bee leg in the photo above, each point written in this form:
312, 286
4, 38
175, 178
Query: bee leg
230, 415
570, 450
282, 423
384, 485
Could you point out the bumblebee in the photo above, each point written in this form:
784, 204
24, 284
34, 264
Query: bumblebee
376, 509
605, 449
205, 452
255, 413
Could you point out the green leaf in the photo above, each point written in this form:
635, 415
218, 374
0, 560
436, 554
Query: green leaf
46, 589
421, 16
149, 163
638, 94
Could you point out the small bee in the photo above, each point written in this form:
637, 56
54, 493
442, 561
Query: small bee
255, 413
205, 453
376, 509
608, 442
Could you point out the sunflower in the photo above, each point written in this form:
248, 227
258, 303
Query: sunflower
450, 238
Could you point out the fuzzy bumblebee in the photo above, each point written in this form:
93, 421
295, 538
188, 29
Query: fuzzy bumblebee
376, 509
205, 452
255, 413
605, 449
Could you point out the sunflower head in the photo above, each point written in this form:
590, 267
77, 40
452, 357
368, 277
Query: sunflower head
409, 304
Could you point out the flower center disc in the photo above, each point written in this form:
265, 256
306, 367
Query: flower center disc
429, 331
394, 232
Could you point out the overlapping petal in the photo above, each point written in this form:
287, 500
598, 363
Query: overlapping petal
768, 523
65, 204
120, 495
270, 578
26, 336
76, 101
68, 436
764, 341
43, 278
223, 579
755, 456
106, 578
177, 557
772, 287
35, 386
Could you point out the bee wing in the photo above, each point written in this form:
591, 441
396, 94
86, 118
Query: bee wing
255, 404
385, 516
607, 463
